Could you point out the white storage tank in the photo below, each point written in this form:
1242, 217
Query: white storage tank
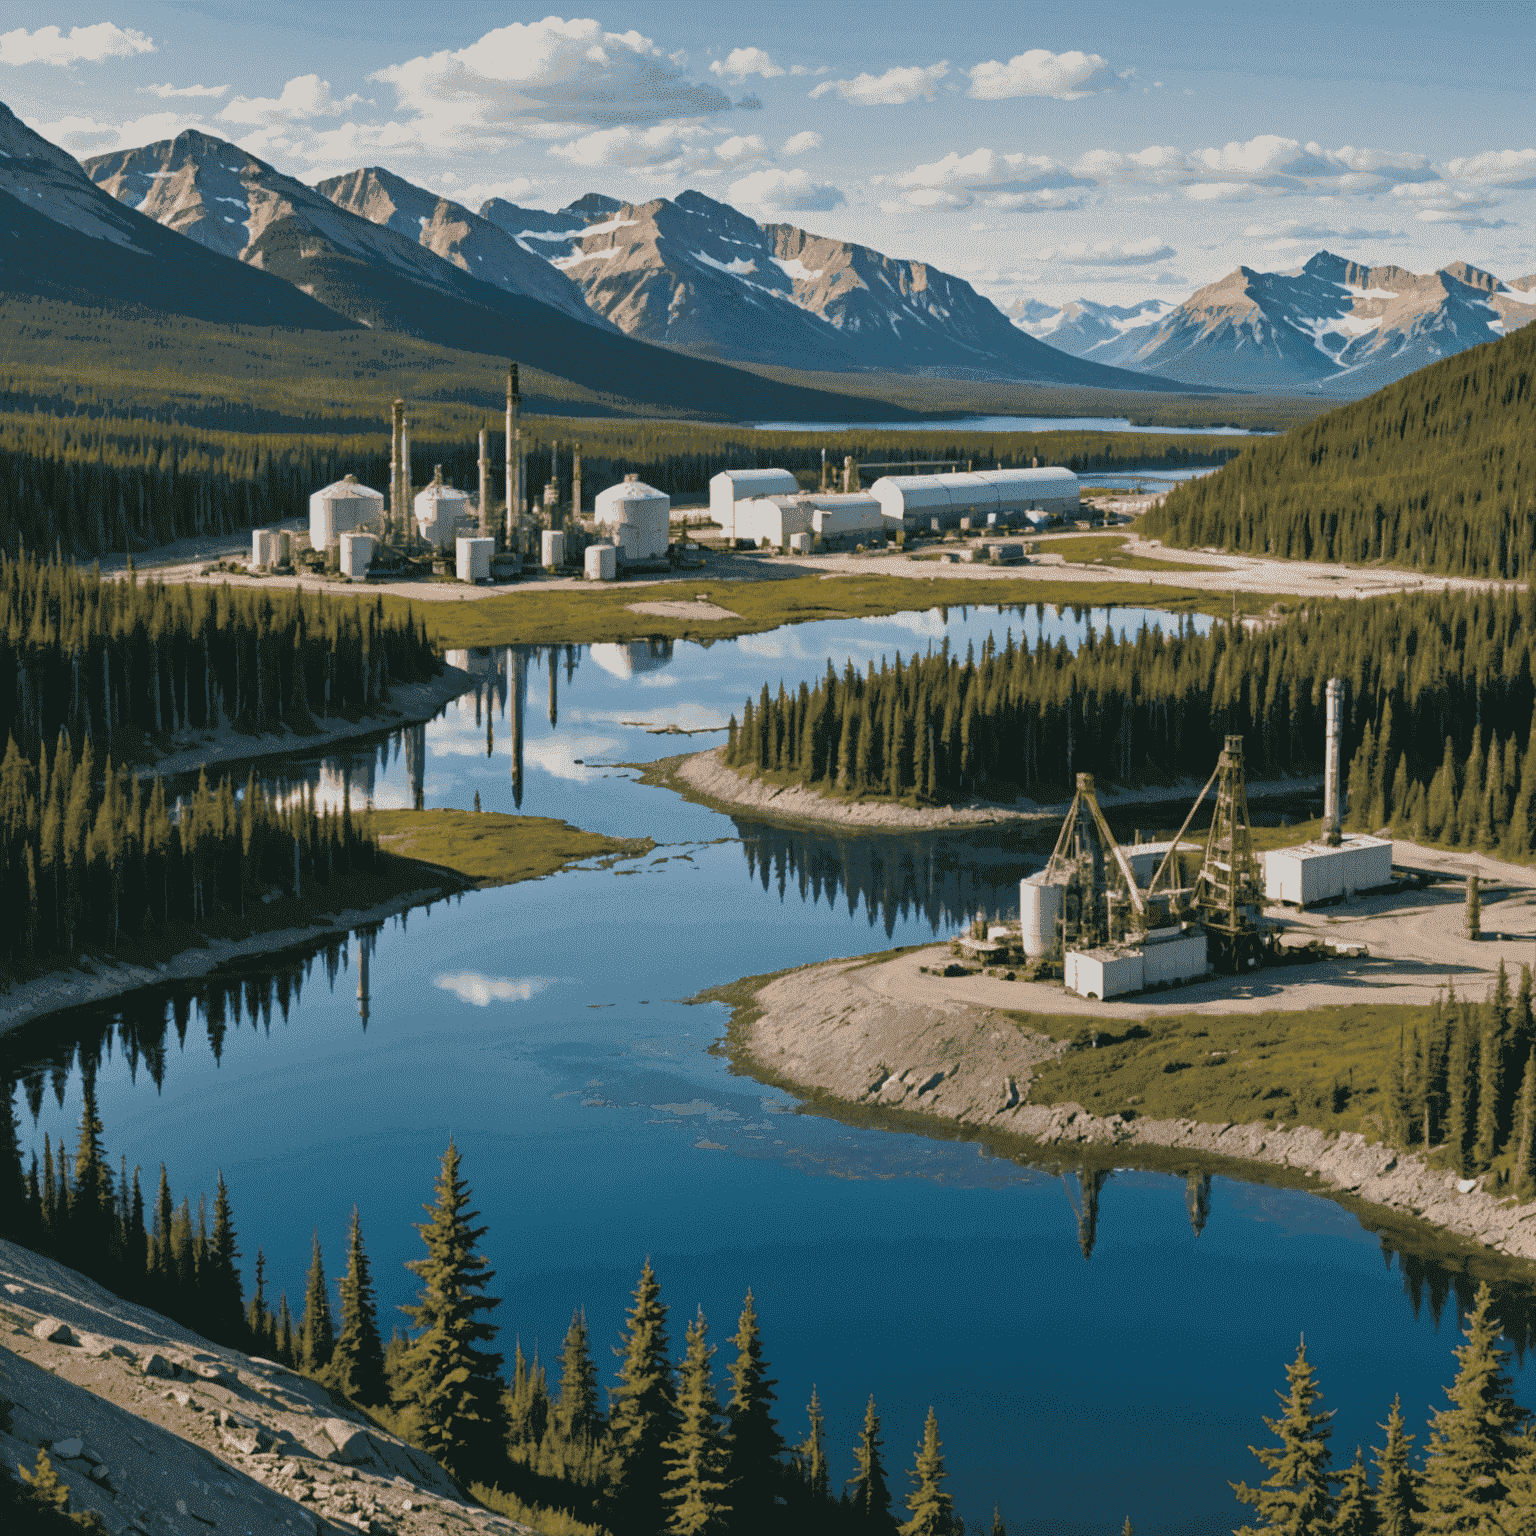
356, 553
1040, 903
732, 486
639, 516
601, 562
439, 509
472, 558
340, 508
551, 548
1314, 872
263, 547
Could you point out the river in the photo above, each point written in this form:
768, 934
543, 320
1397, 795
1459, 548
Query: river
543, 1026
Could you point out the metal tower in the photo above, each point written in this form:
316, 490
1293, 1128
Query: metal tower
1229, 891
1100, 884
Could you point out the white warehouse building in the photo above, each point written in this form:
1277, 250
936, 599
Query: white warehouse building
638, 517
341, 508
1036, 496
835, 520
732, 486
1314, 872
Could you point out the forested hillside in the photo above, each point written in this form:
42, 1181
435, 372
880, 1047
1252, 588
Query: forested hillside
1437, 472
1440, 696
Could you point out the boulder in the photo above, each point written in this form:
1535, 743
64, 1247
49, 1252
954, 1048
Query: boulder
155, 1364
70, 1449
223, 1375
352, 1443
51, 1331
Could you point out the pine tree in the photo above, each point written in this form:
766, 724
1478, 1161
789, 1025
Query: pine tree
357, 1364
451, 1385
1490, 1076
1396, 1496
753, 1443
932, 1510
13, 1181
1472, 1444
223, 1303
317, 1332
699, 1492
642, 1411
578, 1415
1295, 1498
286, 1351
1521, 1173
811, 1453
868, 1495
90, 1213
258, 1320
1355, 1514
1000, 1526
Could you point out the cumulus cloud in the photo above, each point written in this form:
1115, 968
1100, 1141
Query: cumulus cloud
1231, 191
799, 143
549, 77
1440, 204
1286, 234
784, 192
895, 88
80, 45
1065, 76
741, 63
1514, 168
1009, 182
83, 135
1157, 163
166, 92
657, 149
1108, 253
482, 991
741, 148
305, 96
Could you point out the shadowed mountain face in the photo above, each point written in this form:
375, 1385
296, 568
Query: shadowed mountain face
222, 198
698, 275
1334, 326
62, 237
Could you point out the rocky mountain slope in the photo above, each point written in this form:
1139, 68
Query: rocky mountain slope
698, 275
1086, 329
1333, 326
61, 237
157, 1430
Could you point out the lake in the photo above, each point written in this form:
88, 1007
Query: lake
1095, 1347
1008, 424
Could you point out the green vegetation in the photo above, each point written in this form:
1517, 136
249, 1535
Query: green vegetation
488, 848
1108, 549
1433, 472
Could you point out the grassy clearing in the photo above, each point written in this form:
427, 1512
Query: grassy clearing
1109, 549
562, 617
1323, 1067
488, 848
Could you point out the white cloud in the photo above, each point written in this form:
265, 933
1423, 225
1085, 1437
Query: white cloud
1230, 191
741, 63
166, 92
1003, 181
475, 194
658, 149
548, 77
1108, 253
305, 96
785, 191
84, 135
482, 991
799, 143
1157, 163
1497, 167
81, 45
740, 148
895, 88
1287, 234
1066, 76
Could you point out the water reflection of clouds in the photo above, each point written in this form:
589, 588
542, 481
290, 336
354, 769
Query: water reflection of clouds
688, 717
928, 622
482, 991
556, 754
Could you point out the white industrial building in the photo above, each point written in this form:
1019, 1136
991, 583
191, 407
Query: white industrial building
732, 486
1314, 872
1165, 957
440, 511
1034, 496
833, 520
355, 553
340, 508
638, 518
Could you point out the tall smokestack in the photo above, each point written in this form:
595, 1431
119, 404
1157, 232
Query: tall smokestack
575, 482
397, 429
485, 487
402, 527
1332, 835
514, 480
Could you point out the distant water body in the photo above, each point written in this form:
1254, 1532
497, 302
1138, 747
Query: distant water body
1006, 424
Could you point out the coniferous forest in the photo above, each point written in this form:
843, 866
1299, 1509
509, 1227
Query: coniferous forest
1440, 695
1433, 472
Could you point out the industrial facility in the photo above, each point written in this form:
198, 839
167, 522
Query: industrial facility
819, 519
1124, 920
1034, 497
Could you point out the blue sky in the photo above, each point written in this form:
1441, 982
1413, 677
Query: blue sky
1108, 150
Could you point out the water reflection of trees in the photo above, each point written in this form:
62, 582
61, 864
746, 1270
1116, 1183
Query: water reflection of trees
944, 878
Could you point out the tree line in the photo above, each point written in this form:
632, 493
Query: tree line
1433, 472
670, 1452
1425, 676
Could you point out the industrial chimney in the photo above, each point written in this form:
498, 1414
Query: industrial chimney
485, 489
1332, 835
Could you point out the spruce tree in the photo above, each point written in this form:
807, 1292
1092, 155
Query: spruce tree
317, 1332
811, 1453
753, 1443
284, 1343
357, 1364
698, 1492
1396, 1498
1295, 1498
1522, 1171
578, 1414
932, 1510
223, 1302
1473, 1443
258, 1319
13, 1179
90, 1214
1000, 1526
642, 1412
451, 1385
868, 1495
1355, 1514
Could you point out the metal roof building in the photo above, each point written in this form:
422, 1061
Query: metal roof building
912, 501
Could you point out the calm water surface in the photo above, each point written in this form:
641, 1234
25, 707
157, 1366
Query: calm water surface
1008, 424
543, 1025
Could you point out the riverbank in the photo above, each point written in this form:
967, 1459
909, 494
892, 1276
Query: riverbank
703, 776
879, 1036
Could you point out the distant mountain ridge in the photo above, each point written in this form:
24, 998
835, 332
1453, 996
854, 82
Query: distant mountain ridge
1333, 326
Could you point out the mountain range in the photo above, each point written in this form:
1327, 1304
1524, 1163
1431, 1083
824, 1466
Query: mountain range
1333, 326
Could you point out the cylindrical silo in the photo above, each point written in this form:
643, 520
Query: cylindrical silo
1040, 905
1332, 763
439, 509
639, 516
340, 508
